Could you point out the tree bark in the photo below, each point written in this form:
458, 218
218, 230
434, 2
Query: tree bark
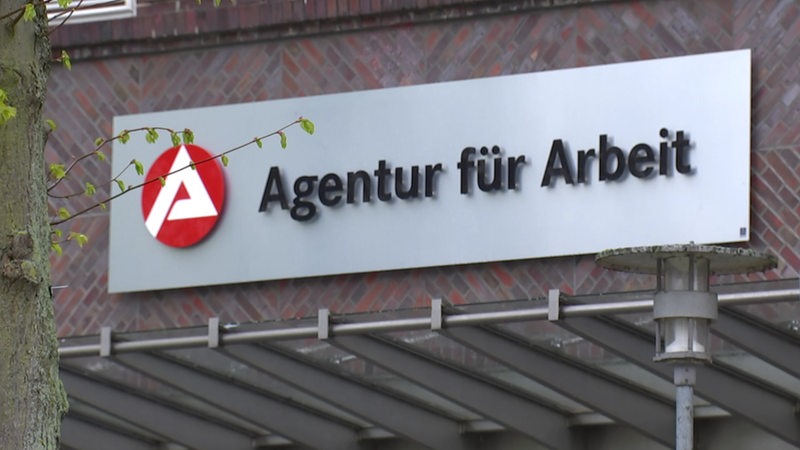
32, 399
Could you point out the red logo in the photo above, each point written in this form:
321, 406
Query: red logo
185, 209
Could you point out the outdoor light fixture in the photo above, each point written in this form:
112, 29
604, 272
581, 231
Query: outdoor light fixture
683, 308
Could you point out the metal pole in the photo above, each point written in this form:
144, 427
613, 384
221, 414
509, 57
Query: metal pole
684, 377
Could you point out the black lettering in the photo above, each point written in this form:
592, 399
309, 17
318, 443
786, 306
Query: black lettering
366, 186
681, 146
275, 182
663, 153
382, 174
605, 153
303, 210
557, 164
514, 166
330, 189
641, 154
496, 182
464, 167
413, 188
584, 157
430, 174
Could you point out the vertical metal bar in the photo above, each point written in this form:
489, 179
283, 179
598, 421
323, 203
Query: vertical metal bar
553, 306
323, 324
684, 377
105, 341
213, 332
436, 314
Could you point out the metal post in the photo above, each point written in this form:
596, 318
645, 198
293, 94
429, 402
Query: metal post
684, 377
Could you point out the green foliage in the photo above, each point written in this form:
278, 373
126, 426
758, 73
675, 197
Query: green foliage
283, 139
30, 13
56, 247
176, 139
259, 143
80, 238
52, 124
139, 166
188, 136
152, 136
307, 125
57, 171
192, 165
99, 141
64, 4
90, 189
124, 137
65, 60
162, 180
225, 160
120, 184
63, 213
100, 155
7, 112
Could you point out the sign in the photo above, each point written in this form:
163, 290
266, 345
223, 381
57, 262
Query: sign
524, 166
183, 207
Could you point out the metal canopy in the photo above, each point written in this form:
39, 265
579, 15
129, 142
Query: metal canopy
436, 378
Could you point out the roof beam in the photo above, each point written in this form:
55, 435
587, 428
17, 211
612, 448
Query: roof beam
173, 424
759, 338
398, 416
278, 416
83, 435
765, 408
479, 394
604, 393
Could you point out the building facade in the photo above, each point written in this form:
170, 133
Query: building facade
177, 55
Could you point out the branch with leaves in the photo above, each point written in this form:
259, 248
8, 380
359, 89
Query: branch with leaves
60, 173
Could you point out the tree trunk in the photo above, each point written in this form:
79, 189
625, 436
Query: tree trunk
32, 399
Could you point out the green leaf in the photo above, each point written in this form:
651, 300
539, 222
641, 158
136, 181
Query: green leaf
225, 160
307, 125
103, 206
80, 238
176, 139
63, 213
64, 4
52, 124
125, 136
192, 166
216, 3
57, 171
120, 184
139, 166
65, 60
100, 155
152, 136
283, 139
99, 141
7, 112
56, 247
58, 233
30, 13
259, 143
162, 180
90, 189
188, 136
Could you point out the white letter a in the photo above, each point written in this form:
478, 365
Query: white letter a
198, 204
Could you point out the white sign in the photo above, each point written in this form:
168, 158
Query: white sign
525, 166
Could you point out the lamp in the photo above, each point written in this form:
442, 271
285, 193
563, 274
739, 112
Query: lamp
683, 308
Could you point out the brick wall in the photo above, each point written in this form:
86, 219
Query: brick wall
122, 72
